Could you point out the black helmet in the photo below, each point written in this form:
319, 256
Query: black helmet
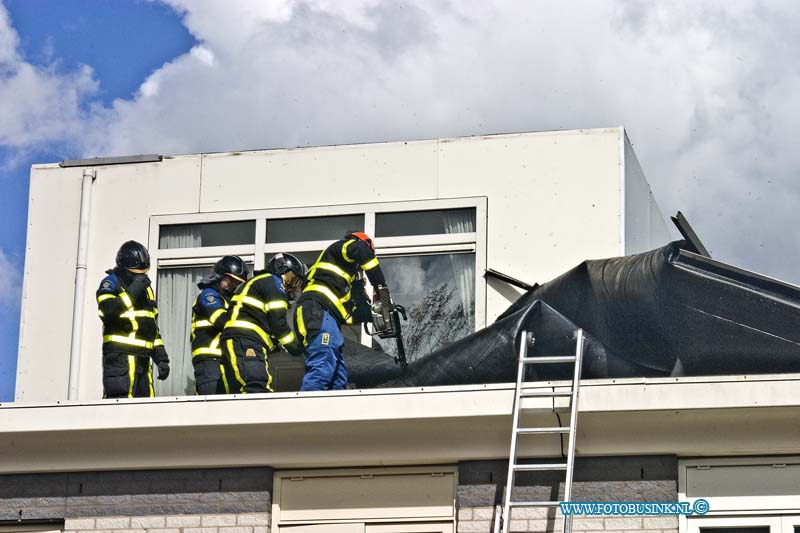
133, 256
233, 266
282, 263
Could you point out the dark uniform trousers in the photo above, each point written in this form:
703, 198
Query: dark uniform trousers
245, 359
126, 375
210, 376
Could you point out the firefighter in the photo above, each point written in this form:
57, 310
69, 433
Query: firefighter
257, 324
333, 296
209, 314
127, 307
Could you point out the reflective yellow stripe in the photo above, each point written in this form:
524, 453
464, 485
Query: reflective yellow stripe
134, 314
100, 313
216, 314
369, 265
150, 379
150, 293
344, 250
131, 374
126, 299
249, 300
201, 324
224, 378
232, 356
301, 325
276, 304
133, 341
332, 268
104, 297
338, 303
158, 342
207, 351
286, 339
252, 327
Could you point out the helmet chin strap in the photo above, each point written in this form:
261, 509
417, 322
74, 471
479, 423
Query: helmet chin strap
138, 270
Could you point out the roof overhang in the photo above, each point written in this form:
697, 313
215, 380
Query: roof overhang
685, 416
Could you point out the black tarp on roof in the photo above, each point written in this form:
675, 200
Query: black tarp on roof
664, 312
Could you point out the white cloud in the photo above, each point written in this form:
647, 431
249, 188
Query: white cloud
10, 283
37, 105
705, 89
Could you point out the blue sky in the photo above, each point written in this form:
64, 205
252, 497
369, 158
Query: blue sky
123, 42
702, 88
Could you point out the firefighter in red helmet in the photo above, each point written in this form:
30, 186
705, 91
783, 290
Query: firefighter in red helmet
332, 297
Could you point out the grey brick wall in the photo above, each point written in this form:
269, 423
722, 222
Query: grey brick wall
186, 523
608, 479
135, 493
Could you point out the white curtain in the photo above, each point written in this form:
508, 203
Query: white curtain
463, 265
177, 289
183, 236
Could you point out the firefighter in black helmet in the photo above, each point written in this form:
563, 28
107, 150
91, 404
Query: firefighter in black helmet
209, 314
127, 307
257, 324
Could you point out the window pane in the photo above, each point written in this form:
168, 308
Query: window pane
177, 289
211, 234
438, 292
425, 222
313, 228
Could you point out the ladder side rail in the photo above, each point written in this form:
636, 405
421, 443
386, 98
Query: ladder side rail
512, 456
573, 423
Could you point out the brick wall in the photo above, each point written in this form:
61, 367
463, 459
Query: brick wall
609, 479
139, 493
185, 523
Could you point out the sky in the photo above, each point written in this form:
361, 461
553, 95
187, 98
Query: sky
705, 89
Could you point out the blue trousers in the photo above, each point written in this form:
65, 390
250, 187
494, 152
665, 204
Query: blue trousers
325, 368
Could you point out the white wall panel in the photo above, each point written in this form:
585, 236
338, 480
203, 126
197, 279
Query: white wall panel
553, 200
320, 176
49, 283
645, 227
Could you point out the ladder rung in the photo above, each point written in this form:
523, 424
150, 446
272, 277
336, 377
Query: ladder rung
548, 359
544, 394
543, 466
556, 429
534, 504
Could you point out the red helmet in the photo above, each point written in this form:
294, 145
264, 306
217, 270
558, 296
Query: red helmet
361, 236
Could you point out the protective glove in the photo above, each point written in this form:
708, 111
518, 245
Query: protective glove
163, 370
161, 360
138, 286
295, 348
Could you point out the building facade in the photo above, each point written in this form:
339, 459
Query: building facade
429, 459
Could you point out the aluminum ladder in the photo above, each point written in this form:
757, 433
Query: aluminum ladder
504, 515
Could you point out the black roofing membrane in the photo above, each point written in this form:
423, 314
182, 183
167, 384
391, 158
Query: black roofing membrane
660, 313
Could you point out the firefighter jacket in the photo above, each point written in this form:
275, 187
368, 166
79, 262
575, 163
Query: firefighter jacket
209, 314
258, 311
130, 317
330, 278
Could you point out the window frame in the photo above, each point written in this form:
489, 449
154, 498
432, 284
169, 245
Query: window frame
472, 242
780, 512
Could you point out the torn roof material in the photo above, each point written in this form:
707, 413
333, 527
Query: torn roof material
666, 312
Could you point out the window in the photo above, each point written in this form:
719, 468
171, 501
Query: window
432, 253
438, 291
313, 228
200, 235
372, 500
